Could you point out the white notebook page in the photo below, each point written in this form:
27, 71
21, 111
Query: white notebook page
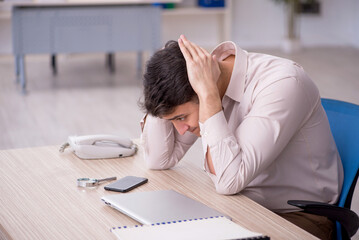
210, 229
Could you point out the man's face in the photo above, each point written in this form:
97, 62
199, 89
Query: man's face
185, 118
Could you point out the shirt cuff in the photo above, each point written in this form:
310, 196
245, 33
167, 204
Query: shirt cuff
214, 129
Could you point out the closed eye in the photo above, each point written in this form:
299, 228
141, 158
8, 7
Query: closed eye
180, 119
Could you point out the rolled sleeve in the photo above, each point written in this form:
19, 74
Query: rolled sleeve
163, 146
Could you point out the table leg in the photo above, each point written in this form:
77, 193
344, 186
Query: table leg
22, 73
110, 62
17, 68
53, 64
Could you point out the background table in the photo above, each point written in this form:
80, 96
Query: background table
39, 198
83, 26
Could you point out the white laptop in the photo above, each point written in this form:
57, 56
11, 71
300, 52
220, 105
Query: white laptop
159, 206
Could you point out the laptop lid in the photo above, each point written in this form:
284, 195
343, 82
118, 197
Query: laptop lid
159, 206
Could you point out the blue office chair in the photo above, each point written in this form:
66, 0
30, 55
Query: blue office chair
344, 123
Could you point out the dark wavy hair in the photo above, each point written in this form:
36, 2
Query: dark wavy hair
165, 81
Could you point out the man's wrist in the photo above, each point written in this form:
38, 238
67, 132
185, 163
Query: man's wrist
209, 106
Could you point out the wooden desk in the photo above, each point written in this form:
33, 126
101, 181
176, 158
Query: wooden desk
39, 198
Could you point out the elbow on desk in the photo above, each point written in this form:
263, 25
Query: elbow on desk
152, 165
227, 189
155, 164
224, 191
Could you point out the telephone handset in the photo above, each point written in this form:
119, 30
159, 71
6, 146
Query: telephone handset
100, 146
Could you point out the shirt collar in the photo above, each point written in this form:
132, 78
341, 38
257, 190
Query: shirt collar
235, 89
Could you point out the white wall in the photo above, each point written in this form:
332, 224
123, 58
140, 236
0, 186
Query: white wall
332, 27
261, 23
355, 29
202, 29
257, 23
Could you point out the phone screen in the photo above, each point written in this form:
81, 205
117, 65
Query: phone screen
126, 184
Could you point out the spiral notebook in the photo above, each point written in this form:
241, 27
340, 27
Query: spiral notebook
212, 228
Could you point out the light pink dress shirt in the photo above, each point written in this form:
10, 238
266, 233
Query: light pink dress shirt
272, 141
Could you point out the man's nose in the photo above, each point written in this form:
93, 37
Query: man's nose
181, 128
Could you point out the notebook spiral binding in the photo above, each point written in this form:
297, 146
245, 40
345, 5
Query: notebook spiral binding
163, 223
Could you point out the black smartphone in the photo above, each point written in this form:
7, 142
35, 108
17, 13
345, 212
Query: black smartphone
126, 184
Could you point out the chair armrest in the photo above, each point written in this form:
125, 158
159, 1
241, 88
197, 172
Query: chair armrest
347, 218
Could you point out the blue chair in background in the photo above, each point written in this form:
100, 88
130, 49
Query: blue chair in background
344, 123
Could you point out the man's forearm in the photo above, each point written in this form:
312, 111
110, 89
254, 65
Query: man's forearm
209, 105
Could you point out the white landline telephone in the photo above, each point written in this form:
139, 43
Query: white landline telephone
100, 146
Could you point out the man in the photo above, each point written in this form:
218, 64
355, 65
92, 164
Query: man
264, 131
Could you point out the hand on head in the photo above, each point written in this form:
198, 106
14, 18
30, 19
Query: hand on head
202, 68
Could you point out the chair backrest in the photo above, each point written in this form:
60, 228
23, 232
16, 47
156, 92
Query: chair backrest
344, 123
